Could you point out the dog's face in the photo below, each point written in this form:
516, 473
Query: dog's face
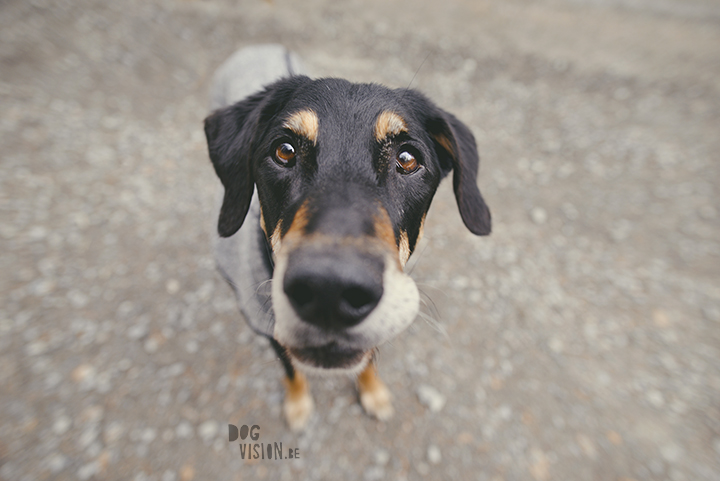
345, 174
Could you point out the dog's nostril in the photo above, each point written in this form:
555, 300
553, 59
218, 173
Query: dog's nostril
358, 297
301, 294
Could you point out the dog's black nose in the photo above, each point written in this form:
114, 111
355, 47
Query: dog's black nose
335, 288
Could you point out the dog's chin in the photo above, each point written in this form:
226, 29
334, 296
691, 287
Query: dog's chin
329, 360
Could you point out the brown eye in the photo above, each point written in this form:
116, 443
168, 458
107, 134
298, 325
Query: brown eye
406, 162
285, 154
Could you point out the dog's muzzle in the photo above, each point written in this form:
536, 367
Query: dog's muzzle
335, 302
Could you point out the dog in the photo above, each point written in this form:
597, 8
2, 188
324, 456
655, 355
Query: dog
326, 187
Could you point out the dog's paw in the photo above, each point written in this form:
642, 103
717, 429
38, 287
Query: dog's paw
377, 401
298, 404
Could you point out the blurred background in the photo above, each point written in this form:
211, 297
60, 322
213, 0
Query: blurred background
580, 341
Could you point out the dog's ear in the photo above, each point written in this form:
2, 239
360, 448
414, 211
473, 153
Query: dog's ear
231, 133
456, 149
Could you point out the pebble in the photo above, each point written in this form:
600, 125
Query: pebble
672, 453
708, 212
152, 345
433, 454
87, 471
192, 346
538, 215
208, 430
88, 436
36, 348
137, 331
556, 345
57, 462
430, 398
168, 475
61, 425
712, 313
113, 432
187, 473
374, 473
587, 445
184, 430
656, 398
620, 230
422, 468
381, 457
148, 435
172, 286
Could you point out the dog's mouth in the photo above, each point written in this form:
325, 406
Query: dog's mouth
329, 356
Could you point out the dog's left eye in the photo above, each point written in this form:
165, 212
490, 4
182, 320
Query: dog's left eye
406, 162
285, 154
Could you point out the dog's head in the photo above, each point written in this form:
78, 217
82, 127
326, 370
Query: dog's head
345, 174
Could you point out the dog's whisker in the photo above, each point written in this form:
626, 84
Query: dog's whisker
427, 301
435, 325
425, 285
407, 89
262, 284
416, 260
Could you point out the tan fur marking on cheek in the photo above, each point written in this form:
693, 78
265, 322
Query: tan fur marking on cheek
404, 248
388, 124
299, 221
305, 123
275, 238
294, 232
384, 230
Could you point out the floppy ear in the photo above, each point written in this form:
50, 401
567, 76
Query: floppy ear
455, 146
230, 132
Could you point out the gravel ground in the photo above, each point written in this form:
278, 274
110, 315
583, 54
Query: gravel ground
581, 341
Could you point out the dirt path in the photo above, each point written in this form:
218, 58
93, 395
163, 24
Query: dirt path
581, 341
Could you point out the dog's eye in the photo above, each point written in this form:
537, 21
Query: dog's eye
285, 154
406, 162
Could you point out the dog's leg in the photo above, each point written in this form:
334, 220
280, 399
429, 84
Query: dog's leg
298, 404
374, 395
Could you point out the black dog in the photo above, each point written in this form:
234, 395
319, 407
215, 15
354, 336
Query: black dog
345, 174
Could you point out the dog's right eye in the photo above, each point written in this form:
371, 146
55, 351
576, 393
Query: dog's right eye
285, 154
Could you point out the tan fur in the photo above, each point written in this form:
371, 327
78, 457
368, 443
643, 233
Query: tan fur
374, 395
296, 229
383, 228
388, 124
298, 404
305, 123
404, 248
421, 231
276, 237
446, 144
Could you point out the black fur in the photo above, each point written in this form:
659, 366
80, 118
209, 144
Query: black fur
347, 166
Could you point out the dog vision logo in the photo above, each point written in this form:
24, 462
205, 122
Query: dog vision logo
252, 451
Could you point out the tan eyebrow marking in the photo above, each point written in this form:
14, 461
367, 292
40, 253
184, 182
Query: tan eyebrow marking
387, 124
304, 123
